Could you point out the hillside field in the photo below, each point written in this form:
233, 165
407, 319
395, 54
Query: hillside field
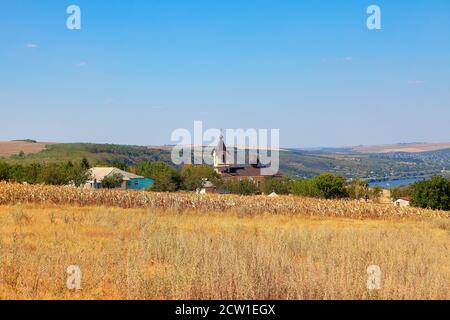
11, 148
403, 147
140, 245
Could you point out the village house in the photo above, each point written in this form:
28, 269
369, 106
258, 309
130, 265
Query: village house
402, 203
130, 180
229, 171
207, 187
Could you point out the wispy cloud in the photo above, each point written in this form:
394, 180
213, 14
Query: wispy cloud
82, 64
416, 82
346, 59
31, 45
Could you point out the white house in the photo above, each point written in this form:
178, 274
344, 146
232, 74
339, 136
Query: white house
402, 203
208, 187
130, 180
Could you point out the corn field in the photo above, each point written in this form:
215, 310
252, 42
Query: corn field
142, 245
287, 205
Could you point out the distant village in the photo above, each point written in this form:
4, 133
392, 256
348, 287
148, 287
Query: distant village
228, 172
223, 163
225, 175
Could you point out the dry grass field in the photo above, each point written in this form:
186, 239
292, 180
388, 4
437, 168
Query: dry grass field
181, 246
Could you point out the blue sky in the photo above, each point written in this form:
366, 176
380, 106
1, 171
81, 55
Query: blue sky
137, 70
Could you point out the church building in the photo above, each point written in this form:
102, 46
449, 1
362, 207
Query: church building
229, 171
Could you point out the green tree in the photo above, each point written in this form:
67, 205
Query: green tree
18, 173
326, 186
32, 172
279, 186
119, 165
4, 171
193, 176
78, 173
167, 179
358, 189
432, 194
241, 187
305, 188
331, 186
85, 163
375, 193
112, 181
400, 192
54, 174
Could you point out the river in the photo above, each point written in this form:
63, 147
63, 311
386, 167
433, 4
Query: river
386, 184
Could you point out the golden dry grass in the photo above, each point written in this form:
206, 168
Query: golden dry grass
180, 246
290, 205
162, 254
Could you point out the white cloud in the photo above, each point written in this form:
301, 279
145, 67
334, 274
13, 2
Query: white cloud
82, 64
31, 45
416, 82
346, 59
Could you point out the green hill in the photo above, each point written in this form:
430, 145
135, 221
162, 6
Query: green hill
95, 153
295, 163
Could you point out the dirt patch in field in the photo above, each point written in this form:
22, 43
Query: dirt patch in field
10, 148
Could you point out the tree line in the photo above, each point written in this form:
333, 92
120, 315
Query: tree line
68, 173
434, 194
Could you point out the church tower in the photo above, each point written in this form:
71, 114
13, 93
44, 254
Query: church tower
220, 156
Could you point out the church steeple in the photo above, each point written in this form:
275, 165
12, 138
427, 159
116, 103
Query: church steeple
220, 155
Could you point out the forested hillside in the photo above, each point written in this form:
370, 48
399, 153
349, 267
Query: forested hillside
295, 163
